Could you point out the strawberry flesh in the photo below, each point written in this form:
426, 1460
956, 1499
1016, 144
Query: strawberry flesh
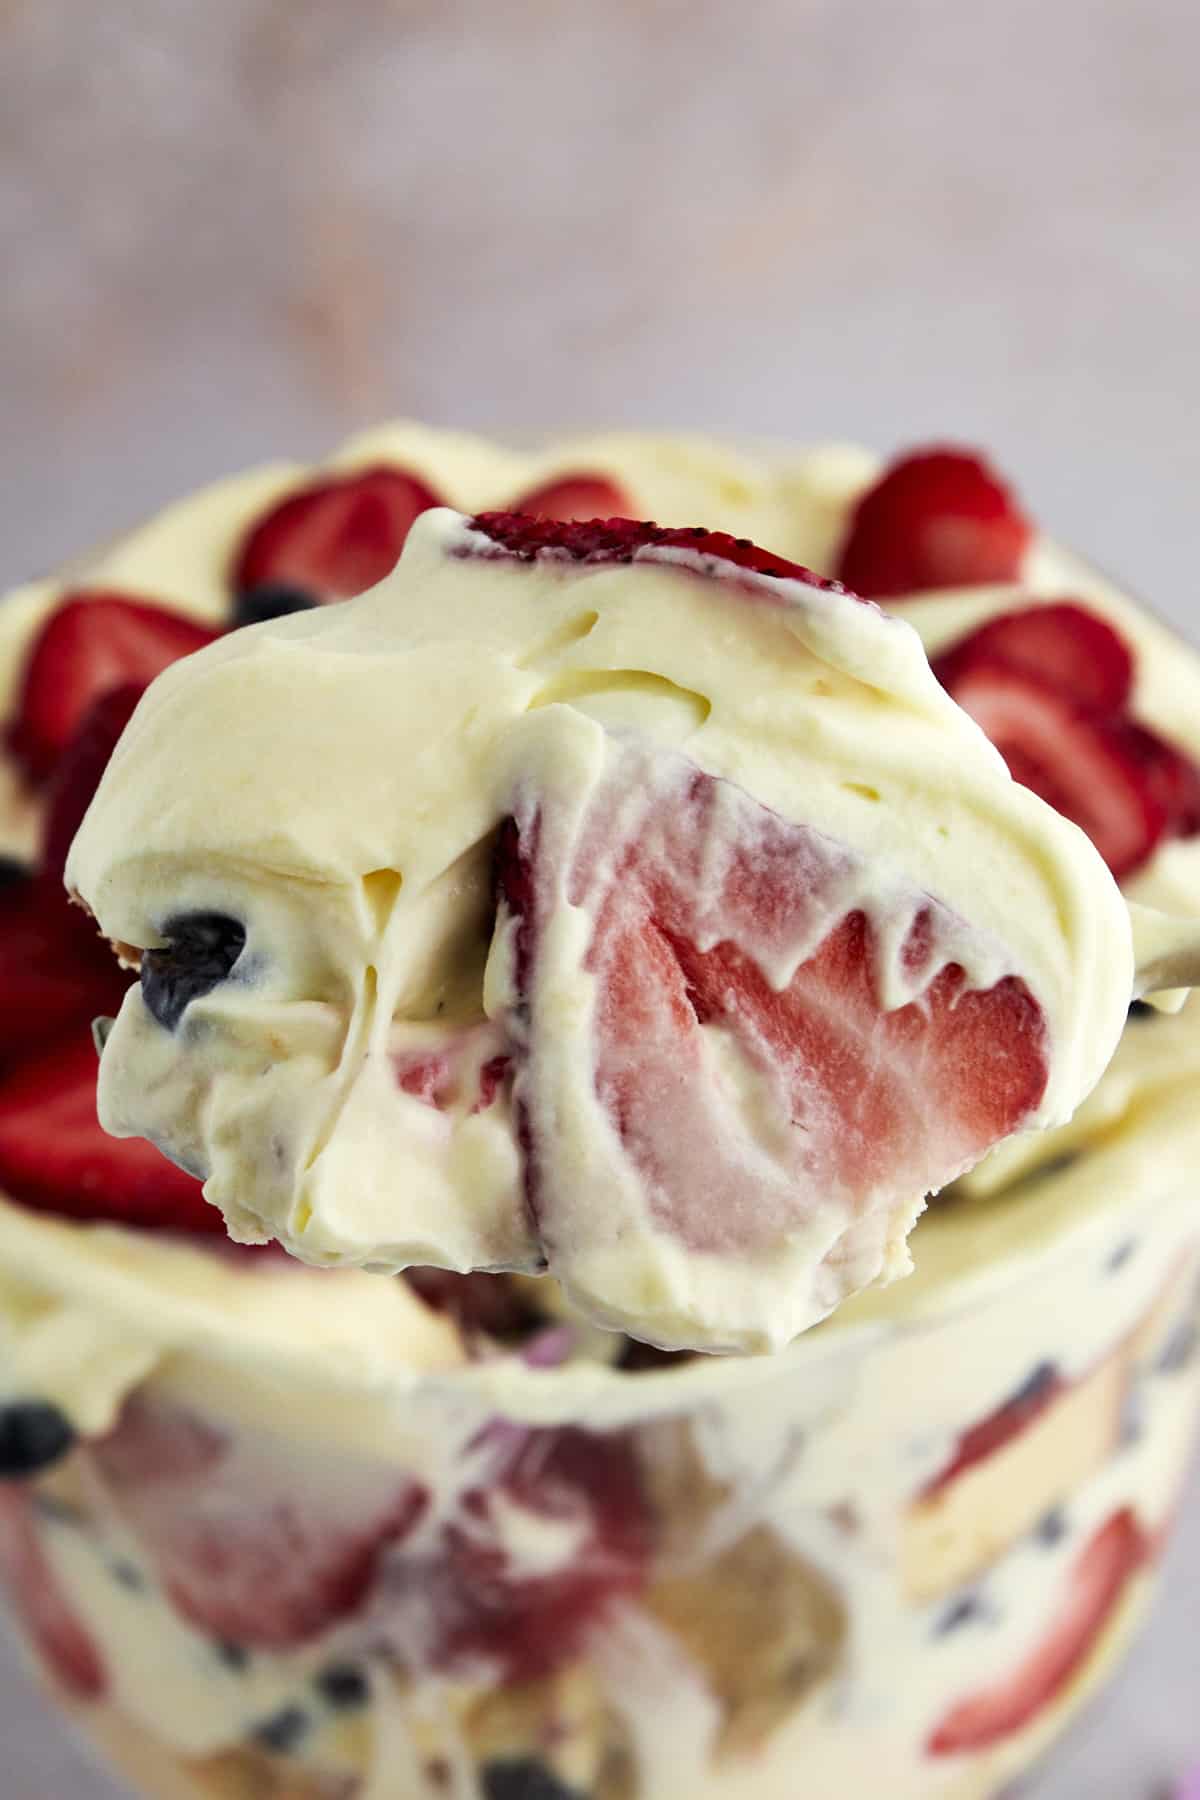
463, 1597
334, 538
79, 770
621, 540
999, 1428
1094, 1586
578, 496
56, 972
1089, 765
55, 1158
937, 518
1063, 644
43, 1609
253, 1545
90, 643
693, 893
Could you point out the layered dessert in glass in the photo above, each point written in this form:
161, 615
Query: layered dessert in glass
270, 1530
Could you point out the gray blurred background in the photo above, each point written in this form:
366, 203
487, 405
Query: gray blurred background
238, 227
233, 229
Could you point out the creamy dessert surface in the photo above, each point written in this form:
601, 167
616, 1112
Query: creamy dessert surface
798, 503
940, 1479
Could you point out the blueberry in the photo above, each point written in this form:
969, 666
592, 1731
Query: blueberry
200, 952
1051, 1528
1121, 1255
33, 1436
1042, 1376
524, 1778
283, 1731
13, 870
343, 1687
1179, 1349
271, 600
968, 1609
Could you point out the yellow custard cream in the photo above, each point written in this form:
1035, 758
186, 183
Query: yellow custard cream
530, 1563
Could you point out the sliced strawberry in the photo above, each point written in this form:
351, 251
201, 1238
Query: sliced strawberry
999, 1428
255, 1542
1094, 1585
937, 518
1174, 779
43, 1609
1087, 765
335, 538
54, 1156
621, 540
579, 496
729, 956
56, 971
528, 1561
90, 643
1074, 650
78, 774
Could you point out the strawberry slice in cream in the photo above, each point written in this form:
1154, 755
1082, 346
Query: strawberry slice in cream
727, 935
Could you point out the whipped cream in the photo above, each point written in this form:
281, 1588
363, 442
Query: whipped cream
346, 771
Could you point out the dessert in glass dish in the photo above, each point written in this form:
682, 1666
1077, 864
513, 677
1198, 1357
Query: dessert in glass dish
273, 1530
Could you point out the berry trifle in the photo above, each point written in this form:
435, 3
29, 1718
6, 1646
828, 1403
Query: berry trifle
273, 1530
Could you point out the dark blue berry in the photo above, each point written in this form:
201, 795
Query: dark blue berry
13, 870
273, 600
524, 1778
200, 952
1051, 1528
343, 1686
1121, 1255
283, 1731
968, 1609
1042, 1376
33, 1436
1179, 1349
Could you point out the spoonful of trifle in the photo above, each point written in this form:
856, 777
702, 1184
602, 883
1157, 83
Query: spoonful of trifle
595, 898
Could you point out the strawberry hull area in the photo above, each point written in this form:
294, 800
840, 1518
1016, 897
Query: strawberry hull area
915, 1544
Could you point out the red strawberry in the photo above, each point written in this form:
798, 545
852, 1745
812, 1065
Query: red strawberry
90, 643
1087, 765
54, 1156
621, 540
698, 896
78, 773
1173, 777
56, 971
1063, 644
40, 1604
576, 497
334, 538
1020, 1410
1095, 1583
468, 1594
255, 1542
937, 518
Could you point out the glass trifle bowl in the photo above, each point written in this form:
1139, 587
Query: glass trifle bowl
272, 1531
